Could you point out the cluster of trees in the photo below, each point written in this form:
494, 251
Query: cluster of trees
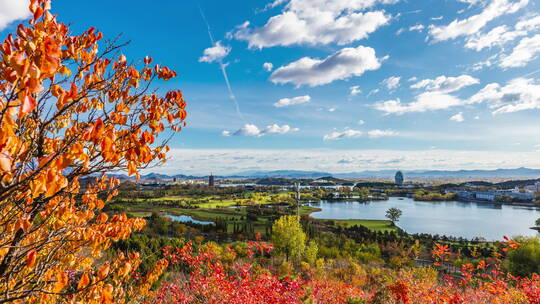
211, 273
422, 195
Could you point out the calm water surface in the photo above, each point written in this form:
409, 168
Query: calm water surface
187, 219
453, 218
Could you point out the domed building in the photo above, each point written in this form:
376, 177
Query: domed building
399, 178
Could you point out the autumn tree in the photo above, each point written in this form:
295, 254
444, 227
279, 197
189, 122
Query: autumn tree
71, 110
288, 237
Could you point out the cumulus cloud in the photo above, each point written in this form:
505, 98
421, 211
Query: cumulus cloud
13, 10
215, 53
445, 84
276, 129
349, 133
523, 53
268, 66
501, 35
254, 131
354, 90
315, 22
381, 133
360, 122
391, 83
496, 37
284, 102
343, 64
475, 23
518, 94
458, 117
427, 101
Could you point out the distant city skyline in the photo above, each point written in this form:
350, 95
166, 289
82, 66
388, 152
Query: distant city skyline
335, 85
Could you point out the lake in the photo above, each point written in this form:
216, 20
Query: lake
451, 218
187, 219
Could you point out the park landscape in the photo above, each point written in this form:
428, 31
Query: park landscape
84, 218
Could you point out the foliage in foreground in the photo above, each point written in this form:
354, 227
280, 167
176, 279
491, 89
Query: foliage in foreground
214, 274
70, 110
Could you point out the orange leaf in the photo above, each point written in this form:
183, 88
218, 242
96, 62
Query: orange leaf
103, 271
84, 281
5, 162
29, 104
61, 281
106, 294
31, 258
102, 218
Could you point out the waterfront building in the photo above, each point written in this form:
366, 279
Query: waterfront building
487, 196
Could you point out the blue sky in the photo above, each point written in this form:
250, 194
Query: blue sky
336, 85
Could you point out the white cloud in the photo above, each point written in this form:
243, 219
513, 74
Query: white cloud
458, 117
343, 64
496, 37
500, 35
475, 23
477, 117
350, 133
230, 161
427, 101
412, 79
345, 134
12, 10
437, 18
248, 130
528, 24
518, 95
254, 131
523, 53
268, 66
391, 83
360, 122
445, 84
419, 28
375, 91
331, 109
381, 133
315, 22
284, 102
276, 129
355, 90
215, 53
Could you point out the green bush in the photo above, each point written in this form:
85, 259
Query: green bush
524, 260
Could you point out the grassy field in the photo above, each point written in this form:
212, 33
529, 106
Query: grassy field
209, 202
374, 225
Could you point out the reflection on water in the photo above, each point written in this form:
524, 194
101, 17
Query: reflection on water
187, 219
452, 218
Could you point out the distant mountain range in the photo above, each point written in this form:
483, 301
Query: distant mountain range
380, 174
389, 174
464, 174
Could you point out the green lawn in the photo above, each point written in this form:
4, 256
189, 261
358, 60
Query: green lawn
209, 202
374, 225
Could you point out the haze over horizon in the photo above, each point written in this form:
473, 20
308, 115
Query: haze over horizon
336, 86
